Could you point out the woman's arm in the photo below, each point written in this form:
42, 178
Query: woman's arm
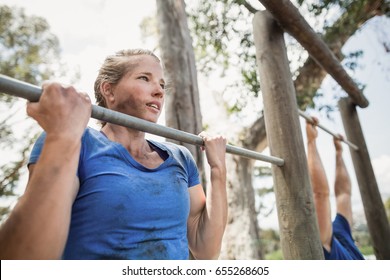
320, 187
208, 214
38, 226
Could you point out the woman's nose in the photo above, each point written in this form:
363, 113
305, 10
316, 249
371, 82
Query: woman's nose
159, 91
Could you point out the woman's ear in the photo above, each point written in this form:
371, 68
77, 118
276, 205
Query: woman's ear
107, 91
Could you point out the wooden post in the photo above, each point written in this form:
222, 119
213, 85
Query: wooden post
294, 23
374, 210
299, 232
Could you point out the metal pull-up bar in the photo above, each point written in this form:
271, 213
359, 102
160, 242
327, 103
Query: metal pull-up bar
33, 93
310, 119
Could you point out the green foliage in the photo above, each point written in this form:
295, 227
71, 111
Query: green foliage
363, 239
223, 41
270, 243
28, 52
318, 7
367, 250
352, 60
275, 255
11, 171
387, 207
28, 48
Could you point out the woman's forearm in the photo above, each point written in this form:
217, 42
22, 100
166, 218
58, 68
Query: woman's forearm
38, 226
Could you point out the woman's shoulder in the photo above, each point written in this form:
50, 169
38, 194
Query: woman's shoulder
169, 146
91, 132
179, 152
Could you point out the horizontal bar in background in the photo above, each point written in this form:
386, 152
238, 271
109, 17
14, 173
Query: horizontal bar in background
310, 119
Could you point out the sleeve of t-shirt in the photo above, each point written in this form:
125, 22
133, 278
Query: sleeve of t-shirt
37, 149
193, 173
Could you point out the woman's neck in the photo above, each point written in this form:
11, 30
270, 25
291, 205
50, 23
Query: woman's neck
135, 143
132, 140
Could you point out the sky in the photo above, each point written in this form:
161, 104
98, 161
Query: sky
90, 30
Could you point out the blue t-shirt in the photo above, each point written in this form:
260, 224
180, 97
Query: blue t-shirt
124, 210
343, 246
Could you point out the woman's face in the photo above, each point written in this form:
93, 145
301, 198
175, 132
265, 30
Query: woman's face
140, 93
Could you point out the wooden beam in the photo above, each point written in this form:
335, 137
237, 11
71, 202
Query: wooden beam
299, 234
374, 209
293, 22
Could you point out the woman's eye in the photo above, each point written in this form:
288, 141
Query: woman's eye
144, 78
162, 86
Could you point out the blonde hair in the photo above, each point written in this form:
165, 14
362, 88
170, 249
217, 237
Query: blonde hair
114, 68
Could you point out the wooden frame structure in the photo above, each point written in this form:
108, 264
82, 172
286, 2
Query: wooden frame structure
296, 213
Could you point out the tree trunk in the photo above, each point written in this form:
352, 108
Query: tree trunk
242, 236
182, 109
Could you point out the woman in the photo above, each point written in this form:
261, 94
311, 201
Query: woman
112, 194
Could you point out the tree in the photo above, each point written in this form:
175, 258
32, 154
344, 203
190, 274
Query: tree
182, 99
29, 52
223, 39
